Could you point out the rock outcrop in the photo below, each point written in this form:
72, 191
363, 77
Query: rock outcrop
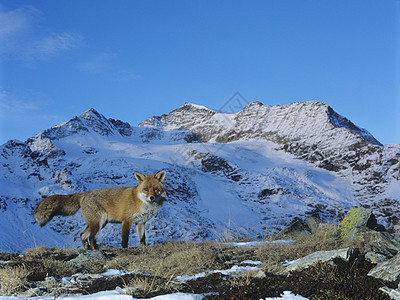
378, 245
313, 258
357, 221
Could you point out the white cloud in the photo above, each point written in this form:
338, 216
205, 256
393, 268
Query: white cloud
124, 75
21, 37
106, 63
12, 104
16, 22
101, 62
53, 45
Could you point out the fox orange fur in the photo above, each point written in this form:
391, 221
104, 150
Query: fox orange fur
126, 205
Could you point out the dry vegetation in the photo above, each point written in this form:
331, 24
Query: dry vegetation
169, 259
326, 238
157, 266
188, 258
13, 279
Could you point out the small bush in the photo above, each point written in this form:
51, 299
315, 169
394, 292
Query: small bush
146, 286
13, 279
40, 269
41, 252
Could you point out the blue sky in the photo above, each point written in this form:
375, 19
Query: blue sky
134, 59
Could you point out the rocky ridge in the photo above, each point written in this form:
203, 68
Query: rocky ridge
312, 131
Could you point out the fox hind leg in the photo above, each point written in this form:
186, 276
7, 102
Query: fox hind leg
96, 218
94, 230
84, 237
88, 237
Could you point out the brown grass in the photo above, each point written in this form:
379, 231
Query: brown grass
13, 279
150, 286
188, 258
241, 280
60, 268
39, 263
41, 252
172, 258
164, 262
326, 238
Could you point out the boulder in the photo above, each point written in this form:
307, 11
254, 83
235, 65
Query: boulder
360, 224
297, 229
392, 293
381, 246
313, 258
313, 223
396, 227
375, 257
388, 270
90, 255
356, 222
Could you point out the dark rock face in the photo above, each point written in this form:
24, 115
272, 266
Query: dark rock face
215, 164
123, 127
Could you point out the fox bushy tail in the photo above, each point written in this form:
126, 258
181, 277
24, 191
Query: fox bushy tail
57, 205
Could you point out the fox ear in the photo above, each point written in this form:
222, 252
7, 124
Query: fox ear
161, 175
139, 177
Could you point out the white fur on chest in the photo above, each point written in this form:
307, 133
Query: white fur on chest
147, 211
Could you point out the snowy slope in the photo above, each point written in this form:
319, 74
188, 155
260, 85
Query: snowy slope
227, 174
311, 131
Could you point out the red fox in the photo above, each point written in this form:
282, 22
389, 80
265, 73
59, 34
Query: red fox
126, 205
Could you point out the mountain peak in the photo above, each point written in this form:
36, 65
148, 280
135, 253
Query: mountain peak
91, 110
254, 104
189, 105
253, 108
91, 113
104, 126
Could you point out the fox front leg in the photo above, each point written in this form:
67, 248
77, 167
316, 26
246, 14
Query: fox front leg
126, 226
141, 233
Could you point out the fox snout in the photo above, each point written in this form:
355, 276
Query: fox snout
153, 197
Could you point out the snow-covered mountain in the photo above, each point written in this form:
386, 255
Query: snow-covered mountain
243, 174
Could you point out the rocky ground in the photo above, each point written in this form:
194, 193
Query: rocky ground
356, 260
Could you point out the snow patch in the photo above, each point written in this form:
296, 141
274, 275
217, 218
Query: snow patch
256, 243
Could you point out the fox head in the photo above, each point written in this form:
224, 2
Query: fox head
151, 187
